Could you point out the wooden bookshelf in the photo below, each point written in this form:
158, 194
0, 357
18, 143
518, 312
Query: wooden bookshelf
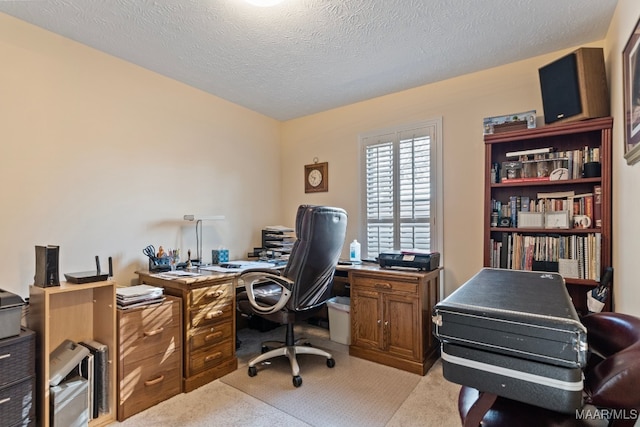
79, 312
563, 138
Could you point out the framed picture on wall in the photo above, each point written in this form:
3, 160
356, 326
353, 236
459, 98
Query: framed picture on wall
631, 85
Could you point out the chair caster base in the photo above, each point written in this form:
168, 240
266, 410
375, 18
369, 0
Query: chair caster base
253, 371
297, 381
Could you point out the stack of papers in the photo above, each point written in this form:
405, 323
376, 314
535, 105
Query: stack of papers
238, 266
136, 296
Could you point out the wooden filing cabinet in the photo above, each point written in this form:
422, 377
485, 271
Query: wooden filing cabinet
149, 355
18, 379
391, 317
209, 324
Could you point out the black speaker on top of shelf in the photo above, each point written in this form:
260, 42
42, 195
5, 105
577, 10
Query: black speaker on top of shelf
574, 87
47, 266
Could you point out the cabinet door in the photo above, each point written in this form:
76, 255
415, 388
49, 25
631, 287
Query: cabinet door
402, 325
366, 324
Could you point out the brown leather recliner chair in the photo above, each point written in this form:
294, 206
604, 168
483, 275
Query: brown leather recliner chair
611, 384
303, 288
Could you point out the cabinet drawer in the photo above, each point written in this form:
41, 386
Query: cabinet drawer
17, 355
149, 382
149, 331
164, 342
211, 314
382, 283
202, 337
150, 317
17, 403
210, 357
211, 295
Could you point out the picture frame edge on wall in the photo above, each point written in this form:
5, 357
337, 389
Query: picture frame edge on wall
631, 95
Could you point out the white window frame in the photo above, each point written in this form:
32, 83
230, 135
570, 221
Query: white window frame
436, 180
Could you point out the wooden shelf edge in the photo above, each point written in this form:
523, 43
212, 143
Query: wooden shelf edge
545, 230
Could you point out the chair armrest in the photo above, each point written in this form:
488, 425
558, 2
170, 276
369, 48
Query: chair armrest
254, 277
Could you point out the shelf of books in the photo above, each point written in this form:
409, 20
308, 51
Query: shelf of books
548, 203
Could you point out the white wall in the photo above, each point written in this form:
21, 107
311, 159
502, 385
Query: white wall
626, 197
103, 158
462, 102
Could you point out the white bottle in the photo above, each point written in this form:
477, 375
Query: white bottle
354, 251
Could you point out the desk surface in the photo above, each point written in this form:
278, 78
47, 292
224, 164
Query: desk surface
208, 275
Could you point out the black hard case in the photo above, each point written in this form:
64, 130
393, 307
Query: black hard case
515, 334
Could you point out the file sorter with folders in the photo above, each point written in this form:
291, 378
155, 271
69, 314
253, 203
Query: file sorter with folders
100, 354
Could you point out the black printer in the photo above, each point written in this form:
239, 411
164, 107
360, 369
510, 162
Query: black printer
427, 261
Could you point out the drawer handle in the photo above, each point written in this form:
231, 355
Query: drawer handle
213, 356
213, 314
5, 400
213, 336
154, 332
214, 294
383, 286
4, 356
154, 381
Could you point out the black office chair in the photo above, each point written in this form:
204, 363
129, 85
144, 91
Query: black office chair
304, 286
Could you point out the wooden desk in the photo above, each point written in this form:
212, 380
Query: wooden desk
209, 323
391, 316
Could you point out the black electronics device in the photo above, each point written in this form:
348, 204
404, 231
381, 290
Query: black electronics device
90, 276
47, 266
410, 259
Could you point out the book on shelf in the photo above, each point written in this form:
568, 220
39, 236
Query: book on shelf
597, 206
556, 194
529, 152
588, 207
544, 252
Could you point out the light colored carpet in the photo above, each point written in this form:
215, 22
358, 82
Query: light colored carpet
356, 392
430, 403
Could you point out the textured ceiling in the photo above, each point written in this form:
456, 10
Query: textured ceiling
307, 56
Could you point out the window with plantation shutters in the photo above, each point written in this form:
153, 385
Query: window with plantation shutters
399, 199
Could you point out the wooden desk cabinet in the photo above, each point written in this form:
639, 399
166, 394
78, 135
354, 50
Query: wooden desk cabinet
391, 317
150, 355
209, 324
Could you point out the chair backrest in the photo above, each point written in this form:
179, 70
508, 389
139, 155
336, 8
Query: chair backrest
320, 234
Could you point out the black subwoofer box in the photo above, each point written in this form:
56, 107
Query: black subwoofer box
574, 87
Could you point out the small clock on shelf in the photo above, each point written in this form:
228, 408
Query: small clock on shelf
559, 174
316, 177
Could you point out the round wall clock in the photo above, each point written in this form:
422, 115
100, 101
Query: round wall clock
316, 177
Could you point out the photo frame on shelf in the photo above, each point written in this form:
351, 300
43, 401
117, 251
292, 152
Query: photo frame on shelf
631, 86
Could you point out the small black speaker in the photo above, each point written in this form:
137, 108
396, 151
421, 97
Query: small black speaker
47, 266
574, 87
